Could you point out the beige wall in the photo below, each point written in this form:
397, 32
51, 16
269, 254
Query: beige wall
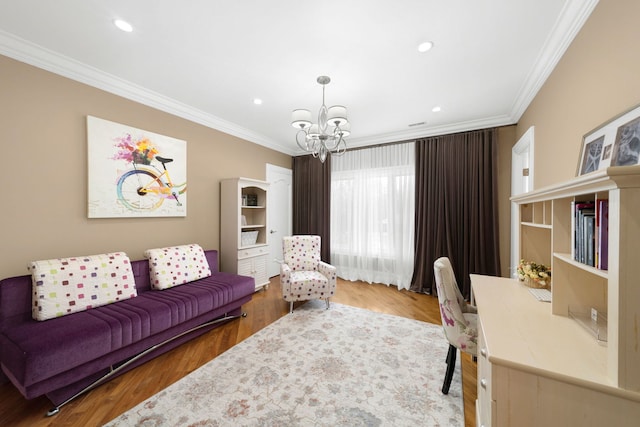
597, 79
44, 151
43, 171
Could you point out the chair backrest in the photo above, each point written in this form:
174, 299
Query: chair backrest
449, 297
301, 253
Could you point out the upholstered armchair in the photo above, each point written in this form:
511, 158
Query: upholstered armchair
459, 319
303, 275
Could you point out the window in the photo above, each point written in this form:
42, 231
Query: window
372, 214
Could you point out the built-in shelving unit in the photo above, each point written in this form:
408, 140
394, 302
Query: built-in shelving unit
548, 235
574, 361
243, 228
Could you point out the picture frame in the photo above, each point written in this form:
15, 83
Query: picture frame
134, 172
614, 143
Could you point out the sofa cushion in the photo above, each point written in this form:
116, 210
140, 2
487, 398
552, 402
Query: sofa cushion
67, 285
177, 265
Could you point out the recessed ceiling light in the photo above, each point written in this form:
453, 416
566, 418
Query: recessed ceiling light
257, 101
436, 109
425, 47
123, 25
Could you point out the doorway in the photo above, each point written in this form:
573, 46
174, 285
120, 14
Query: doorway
280, 211
521, 182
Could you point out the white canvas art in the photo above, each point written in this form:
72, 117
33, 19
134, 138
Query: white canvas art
134, 173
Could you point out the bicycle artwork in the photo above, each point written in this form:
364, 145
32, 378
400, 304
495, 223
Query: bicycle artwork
146, 187
145, 184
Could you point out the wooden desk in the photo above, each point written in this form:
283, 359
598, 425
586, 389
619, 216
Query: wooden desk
540, 369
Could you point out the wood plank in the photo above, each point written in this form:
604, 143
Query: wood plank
117, 396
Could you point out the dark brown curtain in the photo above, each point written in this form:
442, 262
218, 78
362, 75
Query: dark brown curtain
311, 199
456, 207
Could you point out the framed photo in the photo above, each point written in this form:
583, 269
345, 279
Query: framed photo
626, 148
614, 143
591, 154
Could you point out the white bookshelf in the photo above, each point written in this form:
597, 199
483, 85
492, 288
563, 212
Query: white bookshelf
243, 212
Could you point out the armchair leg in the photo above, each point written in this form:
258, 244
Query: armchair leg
290, 307
327, 303
451, 364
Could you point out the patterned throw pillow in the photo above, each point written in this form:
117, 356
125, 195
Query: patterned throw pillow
176, 265
67, 285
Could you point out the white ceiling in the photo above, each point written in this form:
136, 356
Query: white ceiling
207, 60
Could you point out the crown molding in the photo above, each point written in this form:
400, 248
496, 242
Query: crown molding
32, 54
572, 17
425, 132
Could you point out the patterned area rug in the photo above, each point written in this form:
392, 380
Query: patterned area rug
340, 367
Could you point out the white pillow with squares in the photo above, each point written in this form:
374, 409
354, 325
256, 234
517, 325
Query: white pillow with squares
177, 265
63, 286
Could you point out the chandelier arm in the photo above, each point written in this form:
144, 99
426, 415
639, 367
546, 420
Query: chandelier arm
341, 148
304, 147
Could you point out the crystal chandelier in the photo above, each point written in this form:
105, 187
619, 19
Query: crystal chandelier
326, 136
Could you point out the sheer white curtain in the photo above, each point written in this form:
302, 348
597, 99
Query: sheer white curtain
372, 214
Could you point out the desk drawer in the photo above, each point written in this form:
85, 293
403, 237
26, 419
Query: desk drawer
486, 393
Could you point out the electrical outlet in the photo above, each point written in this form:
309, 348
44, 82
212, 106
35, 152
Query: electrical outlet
594, 314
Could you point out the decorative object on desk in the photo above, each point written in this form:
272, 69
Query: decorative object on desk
327, 135
614, 143
534, 275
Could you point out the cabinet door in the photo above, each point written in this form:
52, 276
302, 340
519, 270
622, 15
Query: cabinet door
255, 267
245, 267
260, 269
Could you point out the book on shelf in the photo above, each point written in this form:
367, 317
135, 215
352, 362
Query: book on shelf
589, 220
602, 235
589, 240
582, 212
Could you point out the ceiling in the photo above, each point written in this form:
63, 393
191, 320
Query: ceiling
208, 60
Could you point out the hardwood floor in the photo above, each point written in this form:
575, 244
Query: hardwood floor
120, 394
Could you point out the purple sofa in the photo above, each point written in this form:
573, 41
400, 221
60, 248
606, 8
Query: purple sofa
60, 357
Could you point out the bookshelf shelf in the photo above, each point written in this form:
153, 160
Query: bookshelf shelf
566, 257
533, 224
